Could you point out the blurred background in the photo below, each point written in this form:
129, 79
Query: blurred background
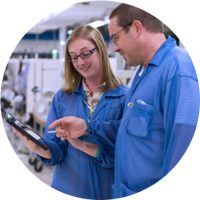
29, 82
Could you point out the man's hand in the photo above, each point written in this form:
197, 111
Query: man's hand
69, 127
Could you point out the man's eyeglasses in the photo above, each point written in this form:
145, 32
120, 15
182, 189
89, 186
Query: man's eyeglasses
83, 55
115, 37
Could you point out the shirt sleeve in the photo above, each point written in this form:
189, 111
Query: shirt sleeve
181, 114
106, 133
57, 147
106, 137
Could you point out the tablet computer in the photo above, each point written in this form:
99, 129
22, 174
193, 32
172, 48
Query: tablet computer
24, 129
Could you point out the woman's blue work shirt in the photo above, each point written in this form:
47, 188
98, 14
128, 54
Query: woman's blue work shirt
160, 116
77, 173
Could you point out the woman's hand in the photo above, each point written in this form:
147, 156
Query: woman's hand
32, 146
26, 141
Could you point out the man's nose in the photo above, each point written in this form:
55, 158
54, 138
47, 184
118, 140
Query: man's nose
116, 47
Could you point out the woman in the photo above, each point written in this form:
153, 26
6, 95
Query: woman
84, 166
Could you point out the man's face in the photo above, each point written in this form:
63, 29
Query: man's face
123, 42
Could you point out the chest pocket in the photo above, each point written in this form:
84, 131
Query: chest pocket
139, 120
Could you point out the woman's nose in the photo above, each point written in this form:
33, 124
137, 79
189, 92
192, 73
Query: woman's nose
80, 61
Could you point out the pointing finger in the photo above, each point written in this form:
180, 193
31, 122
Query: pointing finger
56, 123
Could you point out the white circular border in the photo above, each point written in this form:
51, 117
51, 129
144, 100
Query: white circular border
17, 17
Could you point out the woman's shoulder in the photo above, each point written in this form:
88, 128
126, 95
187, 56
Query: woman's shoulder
120, 90
60, 94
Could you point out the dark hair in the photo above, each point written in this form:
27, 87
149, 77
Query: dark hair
126, 14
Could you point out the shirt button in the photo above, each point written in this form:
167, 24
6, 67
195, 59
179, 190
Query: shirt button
130, 104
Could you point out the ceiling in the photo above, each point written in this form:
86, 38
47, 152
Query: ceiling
79, 13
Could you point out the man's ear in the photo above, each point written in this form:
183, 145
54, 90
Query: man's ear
138, 26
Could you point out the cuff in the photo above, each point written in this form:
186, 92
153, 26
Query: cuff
98, 152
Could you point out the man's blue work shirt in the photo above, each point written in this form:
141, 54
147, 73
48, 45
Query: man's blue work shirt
161, 113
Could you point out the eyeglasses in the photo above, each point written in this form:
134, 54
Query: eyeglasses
83, 55
115, 37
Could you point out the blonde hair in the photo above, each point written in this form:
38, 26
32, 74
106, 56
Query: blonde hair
72, 76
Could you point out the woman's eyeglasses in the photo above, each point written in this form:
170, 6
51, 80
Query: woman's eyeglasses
83, 55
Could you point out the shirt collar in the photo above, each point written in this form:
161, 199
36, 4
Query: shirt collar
162, 51
116, 92
98, 89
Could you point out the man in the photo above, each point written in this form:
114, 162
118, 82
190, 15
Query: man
161, 109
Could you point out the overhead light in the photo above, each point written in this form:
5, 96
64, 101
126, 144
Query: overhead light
106, 19
62, 42
54, 53
99, 23
96, 24
69, 31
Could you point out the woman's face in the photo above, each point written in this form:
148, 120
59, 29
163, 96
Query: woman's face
85, 59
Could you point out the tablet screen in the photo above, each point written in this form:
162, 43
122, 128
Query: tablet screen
31, 133
24, 129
